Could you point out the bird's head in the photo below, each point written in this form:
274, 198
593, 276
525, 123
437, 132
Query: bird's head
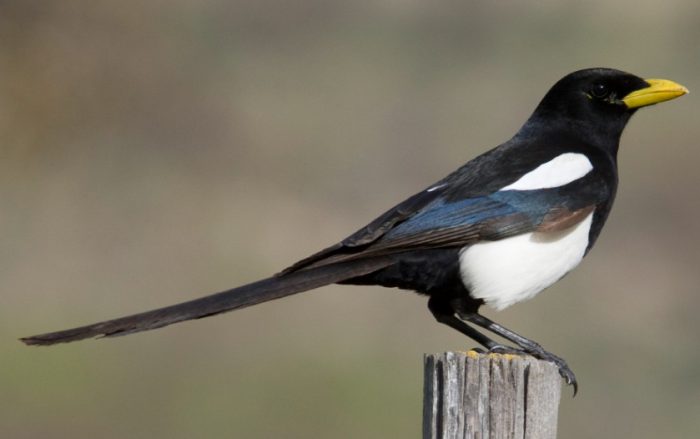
600, 101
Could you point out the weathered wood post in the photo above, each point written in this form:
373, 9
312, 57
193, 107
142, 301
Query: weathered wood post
468, 395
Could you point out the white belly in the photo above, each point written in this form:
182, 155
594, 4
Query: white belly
514, 269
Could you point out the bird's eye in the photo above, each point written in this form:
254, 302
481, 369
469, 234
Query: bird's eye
599, 91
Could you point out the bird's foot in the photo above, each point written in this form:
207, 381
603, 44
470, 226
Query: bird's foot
500, 349
540, 354
509, 350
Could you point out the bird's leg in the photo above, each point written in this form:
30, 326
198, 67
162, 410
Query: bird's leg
444, 314
531, 347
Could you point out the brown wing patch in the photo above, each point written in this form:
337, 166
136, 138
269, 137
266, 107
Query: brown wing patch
562, 218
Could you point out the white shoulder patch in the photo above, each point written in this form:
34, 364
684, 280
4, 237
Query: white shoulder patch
559, 171
434, 188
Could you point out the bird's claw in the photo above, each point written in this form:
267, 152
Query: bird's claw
564, 369
541, 354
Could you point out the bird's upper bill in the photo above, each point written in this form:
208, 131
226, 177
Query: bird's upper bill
659, 90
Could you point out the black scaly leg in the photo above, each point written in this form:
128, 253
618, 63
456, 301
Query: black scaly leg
445, 314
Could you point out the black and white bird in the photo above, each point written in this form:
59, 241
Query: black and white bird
497, 231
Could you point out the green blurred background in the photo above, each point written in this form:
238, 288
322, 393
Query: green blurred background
153, 151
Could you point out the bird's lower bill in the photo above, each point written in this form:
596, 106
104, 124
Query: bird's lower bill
659, 90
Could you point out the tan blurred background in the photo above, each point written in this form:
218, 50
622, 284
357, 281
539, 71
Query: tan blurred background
152, 151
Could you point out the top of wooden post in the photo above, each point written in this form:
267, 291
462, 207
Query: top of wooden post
474, 395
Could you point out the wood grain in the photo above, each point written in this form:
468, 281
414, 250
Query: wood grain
489, 396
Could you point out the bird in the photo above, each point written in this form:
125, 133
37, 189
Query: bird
497, 231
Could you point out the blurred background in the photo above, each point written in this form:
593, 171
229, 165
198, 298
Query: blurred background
154, 151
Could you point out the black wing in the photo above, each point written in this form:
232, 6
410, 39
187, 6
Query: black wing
462, 209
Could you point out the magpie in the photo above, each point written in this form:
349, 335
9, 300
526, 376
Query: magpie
496, 231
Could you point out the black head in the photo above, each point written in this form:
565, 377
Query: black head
598, 103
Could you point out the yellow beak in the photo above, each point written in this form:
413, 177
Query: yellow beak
659, 90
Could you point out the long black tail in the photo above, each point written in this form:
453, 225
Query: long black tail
257, 292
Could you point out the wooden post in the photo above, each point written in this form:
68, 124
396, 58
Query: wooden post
468, 395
